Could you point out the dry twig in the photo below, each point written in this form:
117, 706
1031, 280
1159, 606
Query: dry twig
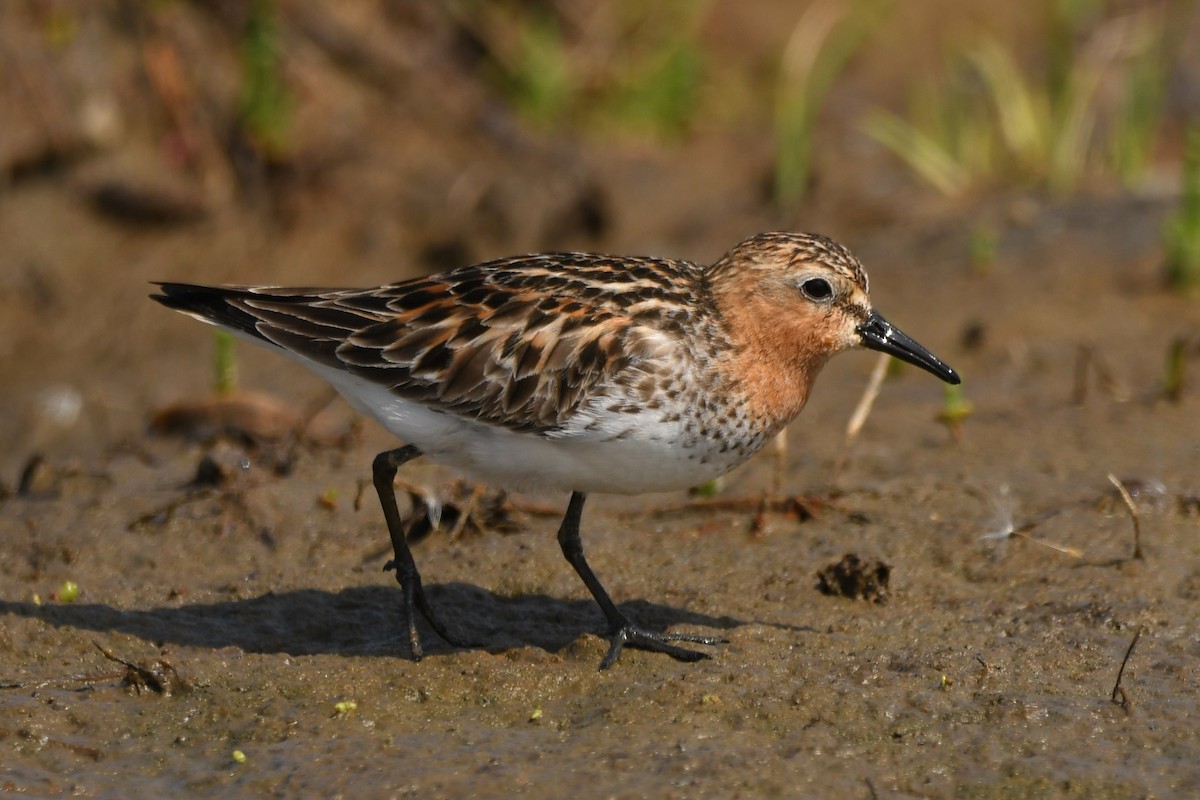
1133, 513
1119, 695
1088, 359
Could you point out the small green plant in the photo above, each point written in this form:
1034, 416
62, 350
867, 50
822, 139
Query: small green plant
1181, 236
707, 491
956, 408
982, 247
828, 34
266, 104
224, 363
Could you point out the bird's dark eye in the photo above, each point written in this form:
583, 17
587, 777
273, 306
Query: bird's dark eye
817, 289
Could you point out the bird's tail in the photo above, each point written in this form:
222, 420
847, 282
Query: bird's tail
216, 305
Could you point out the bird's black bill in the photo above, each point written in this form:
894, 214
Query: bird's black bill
879, 334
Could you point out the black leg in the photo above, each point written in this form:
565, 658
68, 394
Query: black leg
384, 473
622, 631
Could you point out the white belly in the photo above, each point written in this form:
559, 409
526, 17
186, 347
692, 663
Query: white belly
651, 456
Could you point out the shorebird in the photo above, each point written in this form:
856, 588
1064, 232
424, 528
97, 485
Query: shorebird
575, 372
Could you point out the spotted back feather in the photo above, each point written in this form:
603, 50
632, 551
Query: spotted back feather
518, 342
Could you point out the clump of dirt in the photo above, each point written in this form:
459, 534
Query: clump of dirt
856, 578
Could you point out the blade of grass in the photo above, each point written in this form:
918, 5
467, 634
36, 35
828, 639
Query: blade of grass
1020, 114
1071, 130
1140, 113
921, 152
827, 35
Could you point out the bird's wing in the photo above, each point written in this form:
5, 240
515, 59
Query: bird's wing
519, 343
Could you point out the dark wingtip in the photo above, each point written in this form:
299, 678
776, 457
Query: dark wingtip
165, 297
182, 296
212, 303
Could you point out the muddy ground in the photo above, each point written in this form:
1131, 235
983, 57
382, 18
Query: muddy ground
256, 599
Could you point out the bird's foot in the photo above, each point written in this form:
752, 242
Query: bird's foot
415, 600
626, 634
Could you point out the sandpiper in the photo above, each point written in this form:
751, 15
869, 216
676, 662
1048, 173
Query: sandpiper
575, 372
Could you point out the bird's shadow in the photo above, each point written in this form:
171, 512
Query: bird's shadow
360, 620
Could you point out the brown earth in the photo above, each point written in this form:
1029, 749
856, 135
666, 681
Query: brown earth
987, 672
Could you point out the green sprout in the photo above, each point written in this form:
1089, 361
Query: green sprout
224, 363
981, 247
266, 104
1181, 235
956, 408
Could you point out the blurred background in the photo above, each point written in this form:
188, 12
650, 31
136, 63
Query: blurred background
966, 150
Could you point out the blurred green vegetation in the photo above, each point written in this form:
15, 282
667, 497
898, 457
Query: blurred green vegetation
1181, 236
660, 95
1139, 118
265, 106
1082, 97
828, 34
1069, 96
540, 79
988, 119
642, 76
